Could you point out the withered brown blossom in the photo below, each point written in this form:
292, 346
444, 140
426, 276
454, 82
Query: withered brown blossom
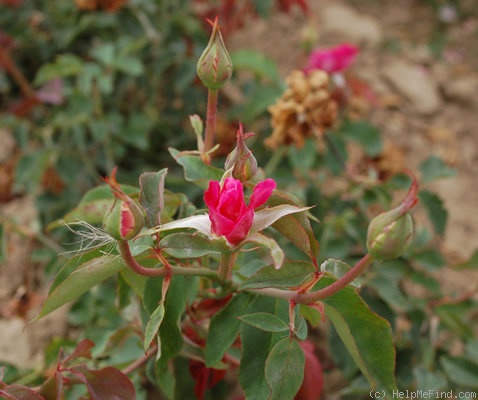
305, 109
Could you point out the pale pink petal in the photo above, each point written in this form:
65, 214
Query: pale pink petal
51, 92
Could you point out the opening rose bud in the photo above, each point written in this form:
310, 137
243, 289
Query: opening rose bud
230, 216
124, 220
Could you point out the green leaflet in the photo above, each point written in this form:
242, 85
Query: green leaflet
284, 369
366, 335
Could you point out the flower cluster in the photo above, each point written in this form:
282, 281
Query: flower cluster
305, 109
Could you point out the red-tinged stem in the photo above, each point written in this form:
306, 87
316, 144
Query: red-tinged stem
130, 261
357, 270
140, 361
16, 74
210, 121
411, 198
311, 297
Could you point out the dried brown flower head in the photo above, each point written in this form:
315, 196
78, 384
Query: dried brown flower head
389, 162
305, 109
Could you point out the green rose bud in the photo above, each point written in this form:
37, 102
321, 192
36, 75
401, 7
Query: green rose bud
214, 67
389, 235
241, 160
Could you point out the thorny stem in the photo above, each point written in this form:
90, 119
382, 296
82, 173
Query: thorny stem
130, 261
311, 297
210, 122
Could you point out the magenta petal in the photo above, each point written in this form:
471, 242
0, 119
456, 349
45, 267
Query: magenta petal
334, 59
220, 225
211, 195
241, 229
261, 193
232, 203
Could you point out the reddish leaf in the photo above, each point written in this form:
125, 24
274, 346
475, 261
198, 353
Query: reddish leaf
19, 392
206, 308
313, 383
52, 388
82, 350
205, 378
109, 384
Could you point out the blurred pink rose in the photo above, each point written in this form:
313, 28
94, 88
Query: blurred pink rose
229, 215
334, 59
313, 382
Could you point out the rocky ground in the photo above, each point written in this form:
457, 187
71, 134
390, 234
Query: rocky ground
427, 105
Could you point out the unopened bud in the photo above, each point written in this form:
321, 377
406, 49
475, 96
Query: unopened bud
389, 234
125, 219
241, 160
214, 67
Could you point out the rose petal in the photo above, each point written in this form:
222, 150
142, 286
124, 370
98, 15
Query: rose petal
220, 225
333, 59
231, 203
241, 228
261, 193
211, 195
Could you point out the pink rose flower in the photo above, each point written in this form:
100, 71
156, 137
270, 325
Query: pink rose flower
228, 212
334, 59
